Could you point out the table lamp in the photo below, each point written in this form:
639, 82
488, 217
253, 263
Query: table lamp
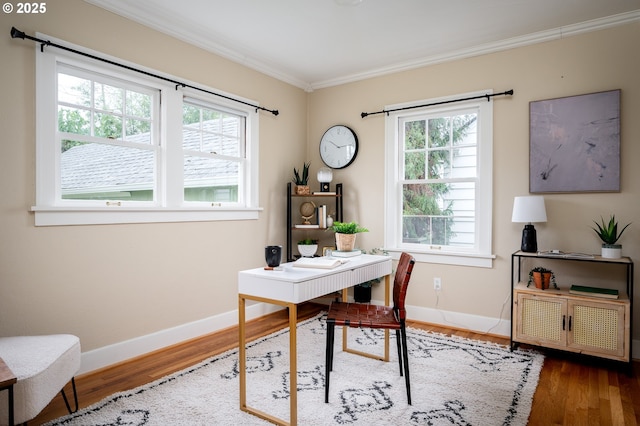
325, 176
528, 210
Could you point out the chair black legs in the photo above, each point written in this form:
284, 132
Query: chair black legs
399, 350
405, 356
328, 358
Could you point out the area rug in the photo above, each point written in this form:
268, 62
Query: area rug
454, 381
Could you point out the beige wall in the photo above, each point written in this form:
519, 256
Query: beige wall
587, 63
111, 283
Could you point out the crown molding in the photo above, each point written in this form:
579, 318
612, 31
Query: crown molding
484, 49
186, 32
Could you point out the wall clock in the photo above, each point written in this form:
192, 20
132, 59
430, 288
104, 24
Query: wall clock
338, 147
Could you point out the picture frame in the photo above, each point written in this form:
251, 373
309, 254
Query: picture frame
574, 143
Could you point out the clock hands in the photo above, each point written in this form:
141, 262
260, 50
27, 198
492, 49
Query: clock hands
338, 146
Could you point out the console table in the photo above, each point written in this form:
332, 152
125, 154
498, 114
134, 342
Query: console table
289, 287
559, 319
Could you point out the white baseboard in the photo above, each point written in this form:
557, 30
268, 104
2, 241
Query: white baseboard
475, 323
121, 351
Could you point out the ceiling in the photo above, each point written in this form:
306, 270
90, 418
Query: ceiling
320, 43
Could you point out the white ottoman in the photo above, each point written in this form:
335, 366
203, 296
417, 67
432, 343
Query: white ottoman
42, 365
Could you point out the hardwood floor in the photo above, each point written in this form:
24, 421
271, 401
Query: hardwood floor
570, 391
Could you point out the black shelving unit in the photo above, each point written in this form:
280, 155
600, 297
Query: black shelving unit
290, 226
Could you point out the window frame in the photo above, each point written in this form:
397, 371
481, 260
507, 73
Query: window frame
480, 255
169, 206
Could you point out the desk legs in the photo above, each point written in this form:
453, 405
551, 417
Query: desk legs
293, 358
293, 362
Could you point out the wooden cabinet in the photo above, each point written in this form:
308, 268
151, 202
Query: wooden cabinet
292, 208
558, 319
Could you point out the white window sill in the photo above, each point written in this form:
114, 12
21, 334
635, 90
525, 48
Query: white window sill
58, 216
458, 259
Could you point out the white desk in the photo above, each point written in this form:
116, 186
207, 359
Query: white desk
295, 285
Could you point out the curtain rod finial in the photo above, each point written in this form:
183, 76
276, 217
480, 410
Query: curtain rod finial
364, 114
16, 33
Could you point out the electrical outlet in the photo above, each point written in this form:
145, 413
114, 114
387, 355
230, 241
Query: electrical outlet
437, 283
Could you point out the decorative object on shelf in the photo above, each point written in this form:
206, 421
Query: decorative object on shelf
325, 176
542, 277
608, 233
307, 247
273, 254
529, 209
307, 211
574, 143
302, 180
338, 147
329, 221
346, 234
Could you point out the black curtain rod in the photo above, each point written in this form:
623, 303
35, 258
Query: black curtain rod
488, 96
15, 33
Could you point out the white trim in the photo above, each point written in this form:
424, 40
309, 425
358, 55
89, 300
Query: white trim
190, 35
478, 256
118, 352
122, 351
168, 206
55, 216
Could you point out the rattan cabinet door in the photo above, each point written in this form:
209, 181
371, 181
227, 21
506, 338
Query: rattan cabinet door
541, 320
598, 328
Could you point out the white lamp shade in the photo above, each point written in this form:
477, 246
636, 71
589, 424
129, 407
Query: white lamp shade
325, 175
529, 209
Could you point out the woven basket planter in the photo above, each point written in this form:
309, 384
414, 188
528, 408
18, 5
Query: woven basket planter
345, 242
303, 190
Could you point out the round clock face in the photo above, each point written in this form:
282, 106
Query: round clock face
338, 147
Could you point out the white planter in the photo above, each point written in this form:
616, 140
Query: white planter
308, 250
611, 251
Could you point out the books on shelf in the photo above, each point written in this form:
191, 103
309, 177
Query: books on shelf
324, 193
571, 255
584, 290
312, 226
318, 262
321, 213
339, 253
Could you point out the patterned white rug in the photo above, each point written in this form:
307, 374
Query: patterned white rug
453, 382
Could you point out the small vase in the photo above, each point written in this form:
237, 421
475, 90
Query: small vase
611, 251
329, 221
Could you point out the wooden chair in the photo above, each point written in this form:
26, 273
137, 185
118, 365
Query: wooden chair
374, 316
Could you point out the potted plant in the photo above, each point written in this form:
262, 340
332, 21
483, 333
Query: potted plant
362, 291
346, 234
608, 233
301, 179
307, 247
542, 277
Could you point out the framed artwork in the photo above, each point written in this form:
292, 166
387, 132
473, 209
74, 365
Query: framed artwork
574, 143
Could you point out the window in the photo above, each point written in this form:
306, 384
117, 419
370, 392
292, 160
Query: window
438, 183
213, 145
108, 138
117, 146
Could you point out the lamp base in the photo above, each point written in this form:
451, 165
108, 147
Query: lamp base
529, 239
